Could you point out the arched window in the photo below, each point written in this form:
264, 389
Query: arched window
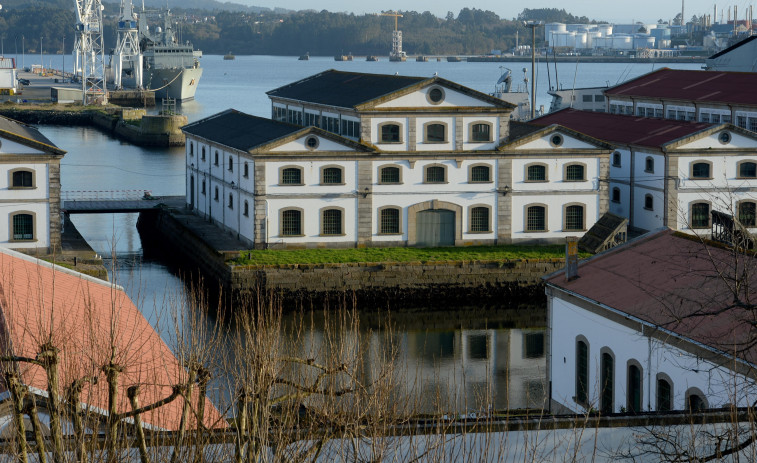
291, 176
331, 176
616, 195
390, 133
481, 132
246, 170
215, 158
633, 399
231, 201
575, 173
747, 169
191, 149
695, 400
582, 372
435, 174
536, 173
616, 159
291, 222
536, 218
389, 221
747, 212
480, 174
664, 394
389, 174
231, 164
574, 218
649, 164
203, 187
648, 202
331, 222
701, 170
203, 154
23, 227
22, 179
700, 215
436, 133
479, 219
215, 194
246, 210
607, 382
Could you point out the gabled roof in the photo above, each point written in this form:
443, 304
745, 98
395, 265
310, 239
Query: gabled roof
343, 89
27, 135
672, 281
692, 85
250, 133
524, 132
624, 130
88, 320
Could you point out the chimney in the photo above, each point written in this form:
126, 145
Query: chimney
571, 258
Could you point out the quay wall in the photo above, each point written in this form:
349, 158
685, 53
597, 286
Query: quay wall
372, 284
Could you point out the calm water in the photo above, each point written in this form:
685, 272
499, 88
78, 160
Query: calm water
459, 354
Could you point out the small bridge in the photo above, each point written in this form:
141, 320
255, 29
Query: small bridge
115, 201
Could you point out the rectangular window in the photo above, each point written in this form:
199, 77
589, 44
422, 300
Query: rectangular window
390, 221
435, 174
587, 98
534, 345
23, 227
332, 222
700, 215
536, 219
599, 98
658, 113
725, 119
481, 132
741, 121
704, 117
715, 118
753, 124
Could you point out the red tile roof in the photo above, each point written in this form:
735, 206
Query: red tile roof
689, 85
672, 281
624, 130
88, 320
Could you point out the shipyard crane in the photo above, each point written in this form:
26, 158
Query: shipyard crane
89, 28
127, 47
396, 54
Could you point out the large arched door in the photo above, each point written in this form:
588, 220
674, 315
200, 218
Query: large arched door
435, 227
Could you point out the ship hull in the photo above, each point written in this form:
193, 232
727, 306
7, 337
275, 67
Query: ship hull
177, 83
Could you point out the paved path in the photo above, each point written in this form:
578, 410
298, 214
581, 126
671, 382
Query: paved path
92, 206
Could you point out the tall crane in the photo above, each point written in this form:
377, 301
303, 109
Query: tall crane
127, 47
396, 54
89, 28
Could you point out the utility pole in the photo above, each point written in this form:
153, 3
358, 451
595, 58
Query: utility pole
533, 25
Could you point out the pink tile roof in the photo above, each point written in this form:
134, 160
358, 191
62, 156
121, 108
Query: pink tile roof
689, 85
672, 281
625, 130
88, 320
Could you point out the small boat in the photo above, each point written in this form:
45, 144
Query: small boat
343, 57
371, 58
304, 57
229, 56
421, 59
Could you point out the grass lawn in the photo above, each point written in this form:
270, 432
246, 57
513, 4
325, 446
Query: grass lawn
325, 256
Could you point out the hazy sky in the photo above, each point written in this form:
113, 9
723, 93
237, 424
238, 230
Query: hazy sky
619, 11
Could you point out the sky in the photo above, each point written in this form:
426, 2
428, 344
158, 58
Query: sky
616, 11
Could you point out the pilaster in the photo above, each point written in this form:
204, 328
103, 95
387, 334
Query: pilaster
412, 134
504, 201
260, 204
364, 202
670, 196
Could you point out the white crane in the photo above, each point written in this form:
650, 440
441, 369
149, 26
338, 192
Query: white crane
89, 26
127, 46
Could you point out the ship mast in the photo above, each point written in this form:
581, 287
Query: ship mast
127, 46
89, 28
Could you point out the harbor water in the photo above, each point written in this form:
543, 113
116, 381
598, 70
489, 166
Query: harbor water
463, 351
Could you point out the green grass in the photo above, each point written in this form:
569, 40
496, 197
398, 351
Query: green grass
326, 256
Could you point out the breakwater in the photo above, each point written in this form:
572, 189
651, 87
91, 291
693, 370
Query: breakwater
388, 284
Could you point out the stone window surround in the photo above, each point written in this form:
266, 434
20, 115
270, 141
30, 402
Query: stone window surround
525, 217
479, 164
738, 168
700, 161
425, 173
22, 169
281, 221
399, 218
436, 87
291, 166
709, 217
546, 172
412, 217
565, 217
331, 166
34, 226
565, 171
698, 392
379, 128
470, 131
382, 166
488, 230
425, 132
341, 216
667, 379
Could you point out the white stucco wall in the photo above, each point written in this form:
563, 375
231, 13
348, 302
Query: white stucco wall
41, 213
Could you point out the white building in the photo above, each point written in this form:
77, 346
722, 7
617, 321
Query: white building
652, 325
391, 161
667, 173
29, 189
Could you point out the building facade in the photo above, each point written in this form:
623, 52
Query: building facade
29, 189
407, 162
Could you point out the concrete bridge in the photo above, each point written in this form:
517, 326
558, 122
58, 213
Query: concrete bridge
115, 201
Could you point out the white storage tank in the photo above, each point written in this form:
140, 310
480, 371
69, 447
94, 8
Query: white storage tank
604, 29
564, 39
550, 28
622, 42
602, 42
591, 39
581, 39
643, 41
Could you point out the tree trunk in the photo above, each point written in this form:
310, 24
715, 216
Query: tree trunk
48, 356
18, 393
133, 393
31, 410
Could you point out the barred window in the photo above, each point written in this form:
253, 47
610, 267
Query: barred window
332, 175
480, 174
390, 133
700, 170
748, 170
23, 227
291, 176
700, 215
574, 173
574, 218
389, 174
390, 221
435, 133
479, 219
291, 222
481, 132
536, 219
435, 174
537, 173
22, 178
332, 222
747, 214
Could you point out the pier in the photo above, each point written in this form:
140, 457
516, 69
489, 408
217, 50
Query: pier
115, 201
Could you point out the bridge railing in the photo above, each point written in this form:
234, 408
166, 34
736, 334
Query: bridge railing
105, 195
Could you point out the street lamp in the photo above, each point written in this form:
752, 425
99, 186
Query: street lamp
41, 60
533, 25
